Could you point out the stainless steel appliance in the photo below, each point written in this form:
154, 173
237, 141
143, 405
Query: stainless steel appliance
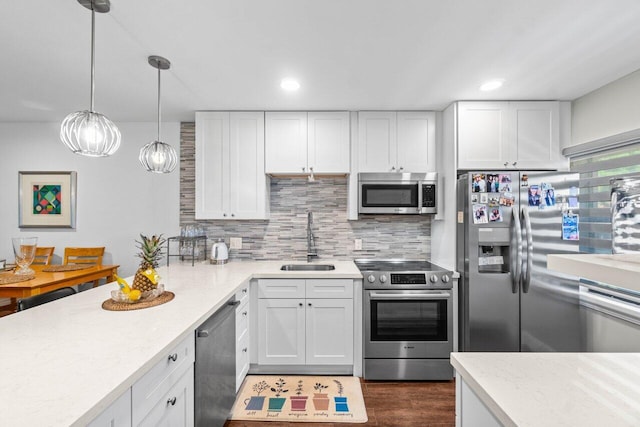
508, 300
215, 368
408, 322
397, 193
625, 215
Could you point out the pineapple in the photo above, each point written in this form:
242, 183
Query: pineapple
146, 278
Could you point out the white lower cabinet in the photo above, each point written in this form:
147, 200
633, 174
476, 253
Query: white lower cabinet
165, 394
296, 327
118, 414
470, 410
175, 407
242, 334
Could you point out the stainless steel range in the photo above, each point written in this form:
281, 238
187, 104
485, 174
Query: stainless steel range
408, 320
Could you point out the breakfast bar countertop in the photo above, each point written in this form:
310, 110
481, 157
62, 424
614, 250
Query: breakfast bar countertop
64, 362
619, 270
555, 389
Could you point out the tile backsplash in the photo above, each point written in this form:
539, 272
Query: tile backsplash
284, 236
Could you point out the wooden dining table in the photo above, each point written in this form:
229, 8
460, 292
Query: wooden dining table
48, 281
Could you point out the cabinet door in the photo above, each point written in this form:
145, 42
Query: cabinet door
329, 331
118, 414
328, 142
483, 135
535, 134
281, 331
212, 163
377, 149
416, 141
247, 180
175, 408
286, 142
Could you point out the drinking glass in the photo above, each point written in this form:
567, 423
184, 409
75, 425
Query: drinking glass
24, 249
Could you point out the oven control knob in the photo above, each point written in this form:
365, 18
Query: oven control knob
433, 278
445, 279
371, 278
383, 278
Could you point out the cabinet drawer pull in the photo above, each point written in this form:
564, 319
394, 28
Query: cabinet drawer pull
171, 401
173, 357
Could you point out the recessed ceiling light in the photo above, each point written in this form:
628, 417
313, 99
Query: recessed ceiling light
289, 84
492, 85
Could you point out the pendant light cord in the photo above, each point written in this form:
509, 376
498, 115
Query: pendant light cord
159, 107
93, 57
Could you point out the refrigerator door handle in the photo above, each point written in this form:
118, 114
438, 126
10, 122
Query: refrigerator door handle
529, 244
517, 231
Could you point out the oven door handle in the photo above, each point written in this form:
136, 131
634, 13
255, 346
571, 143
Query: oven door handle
412, 296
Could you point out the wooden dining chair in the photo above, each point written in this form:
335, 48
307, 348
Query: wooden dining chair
44, 254
85, 256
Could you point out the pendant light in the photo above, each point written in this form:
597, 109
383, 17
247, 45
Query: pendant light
87, 132
157, 156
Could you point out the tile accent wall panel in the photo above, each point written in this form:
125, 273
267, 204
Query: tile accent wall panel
284, 234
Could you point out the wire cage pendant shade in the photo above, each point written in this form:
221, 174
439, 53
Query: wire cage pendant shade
157, 156
87, 132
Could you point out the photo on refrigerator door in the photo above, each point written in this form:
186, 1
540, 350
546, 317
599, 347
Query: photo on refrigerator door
570, 226
493, 183
535, 195
495, 215
480, 214
478, 183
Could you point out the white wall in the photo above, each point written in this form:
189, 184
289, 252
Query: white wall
610, 110
116, 198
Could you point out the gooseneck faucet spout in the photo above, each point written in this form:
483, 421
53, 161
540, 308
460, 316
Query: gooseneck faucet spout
311, 240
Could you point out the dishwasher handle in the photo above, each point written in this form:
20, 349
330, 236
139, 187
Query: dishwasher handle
217, 318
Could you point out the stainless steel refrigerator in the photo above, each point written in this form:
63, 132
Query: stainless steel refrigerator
508, 221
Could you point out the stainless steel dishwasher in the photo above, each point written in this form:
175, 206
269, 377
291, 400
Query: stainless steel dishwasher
215, 368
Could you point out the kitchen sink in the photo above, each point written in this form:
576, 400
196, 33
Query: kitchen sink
307, 267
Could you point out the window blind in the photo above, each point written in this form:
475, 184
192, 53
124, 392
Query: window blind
596, 169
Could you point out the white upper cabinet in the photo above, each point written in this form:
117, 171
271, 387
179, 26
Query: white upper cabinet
390, 141
299, 142
230, 178
516, 135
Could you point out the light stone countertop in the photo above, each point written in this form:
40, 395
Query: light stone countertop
555, 389
619, 270
64, 362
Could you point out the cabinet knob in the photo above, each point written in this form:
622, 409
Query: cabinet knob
173, 357
300, 304
244, 350
224, 214
303, 169
506, 164
244, 291
171, 401
244, 313
514, 164
309, 304
401, 168
233, 215
393, 168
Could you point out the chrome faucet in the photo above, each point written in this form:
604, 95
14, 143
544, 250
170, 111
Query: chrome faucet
311, 240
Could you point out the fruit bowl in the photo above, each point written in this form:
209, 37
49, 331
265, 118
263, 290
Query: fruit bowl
119, 296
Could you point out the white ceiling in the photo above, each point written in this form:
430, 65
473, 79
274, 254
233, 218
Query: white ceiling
347, 54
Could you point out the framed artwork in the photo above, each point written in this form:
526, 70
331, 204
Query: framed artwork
46, 199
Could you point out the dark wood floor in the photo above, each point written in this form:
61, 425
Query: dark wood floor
406, 404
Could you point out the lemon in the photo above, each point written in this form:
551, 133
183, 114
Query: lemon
134, 295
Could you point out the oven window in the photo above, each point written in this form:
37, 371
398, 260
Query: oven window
422, 320
389, 195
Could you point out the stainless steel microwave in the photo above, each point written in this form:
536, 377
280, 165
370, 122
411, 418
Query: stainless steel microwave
397, 193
